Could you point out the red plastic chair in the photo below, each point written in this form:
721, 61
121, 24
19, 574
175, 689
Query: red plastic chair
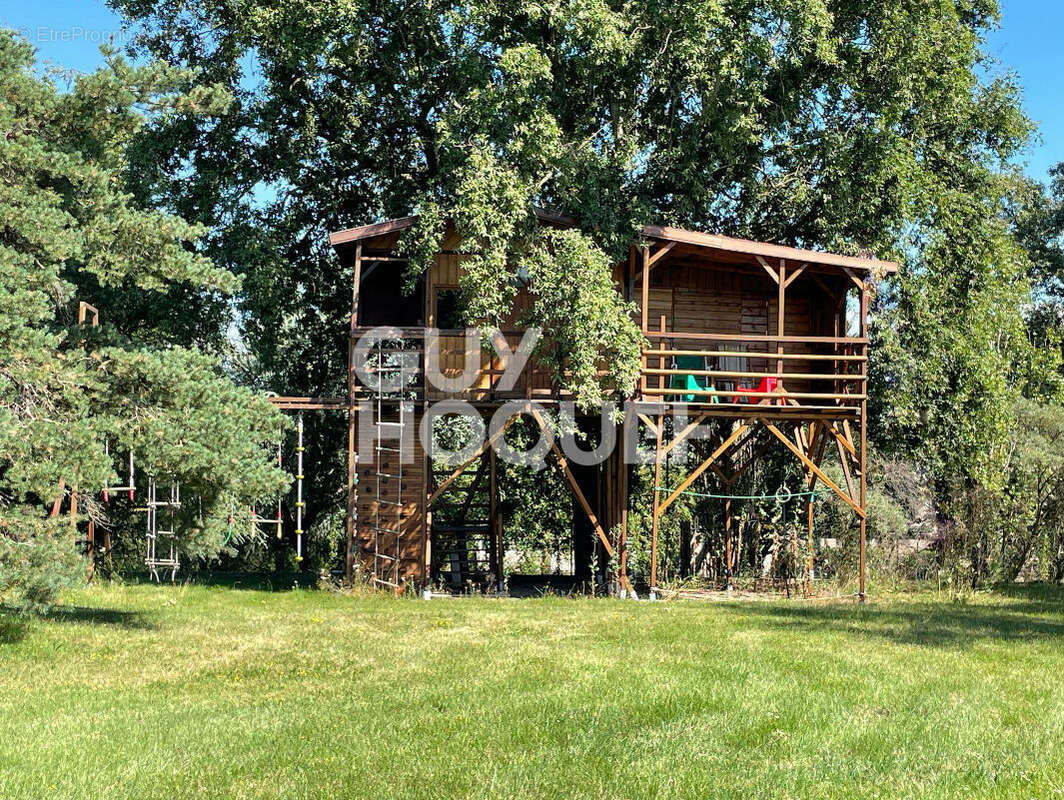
766, 385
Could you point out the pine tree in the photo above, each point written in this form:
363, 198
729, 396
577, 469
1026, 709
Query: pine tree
69, 228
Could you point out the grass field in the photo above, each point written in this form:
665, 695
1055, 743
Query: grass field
197, 691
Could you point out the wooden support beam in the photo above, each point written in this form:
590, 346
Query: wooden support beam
658, 254
727, 544
495, 523
794, 275
426, 510
799, 437
781, 317
352, 456
575, 485
88, 311
776, 395
654, 258
844, 460
678, 438
656, 508
645, 280
808, 463
771, 272
720, 474
816, 453
462, 467
722, 373
661, 252
843, 441
661, 360
750, 435
739, 430
622, 491
864, 461
654, 429
658, 351
644, 319
813, 440
760, 451
858, 282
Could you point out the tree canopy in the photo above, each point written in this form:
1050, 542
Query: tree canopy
850, 125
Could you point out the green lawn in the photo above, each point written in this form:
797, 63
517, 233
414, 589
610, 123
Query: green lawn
198, 691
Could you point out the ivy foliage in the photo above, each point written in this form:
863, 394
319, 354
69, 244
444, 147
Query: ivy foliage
73, 401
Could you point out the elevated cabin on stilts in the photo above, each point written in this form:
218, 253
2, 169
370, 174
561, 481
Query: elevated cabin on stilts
768, 342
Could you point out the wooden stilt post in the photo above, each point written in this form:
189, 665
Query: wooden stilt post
108, 565
654, 511
622, 487
809, 559
727, 545
658, 454
352, 411
494, 522
780, 315
645, 315
810, 477
864, 449
426, 513
427, 319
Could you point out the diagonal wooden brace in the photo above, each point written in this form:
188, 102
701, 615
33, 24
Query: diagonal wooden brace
678, 438
564, 464
814, 468
462, 467
703, 466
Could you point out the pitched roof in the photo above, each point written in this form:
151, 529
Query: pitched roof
402, 223
765, 249
368, 231
724, 244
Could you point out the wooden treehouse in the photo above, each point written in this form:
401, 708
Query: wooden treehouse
764, 345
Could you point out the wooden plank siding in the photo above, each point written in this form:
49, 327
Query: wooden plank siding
694, 296
705, 300
373, 506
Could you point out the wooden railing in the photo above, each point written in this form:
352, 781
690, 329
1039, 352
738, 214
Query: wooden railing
813, 372
532, 382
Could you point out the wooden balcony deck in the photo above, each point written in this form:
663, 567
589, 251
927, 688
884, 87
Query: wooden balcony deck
814, 376
755, 374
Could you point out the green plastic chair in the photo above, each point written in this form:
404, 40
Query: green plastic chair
691, 383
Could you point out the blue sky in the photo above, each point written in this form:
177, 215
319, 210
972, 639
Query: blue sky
68, 33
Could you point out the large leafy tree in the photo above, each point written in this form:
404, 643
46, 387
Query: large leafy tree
852, 125
72, 400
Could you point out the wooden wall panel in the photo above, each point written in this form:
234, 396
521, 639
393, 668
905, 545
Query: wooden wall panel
660, 303
409, 517
452, 362
730, 302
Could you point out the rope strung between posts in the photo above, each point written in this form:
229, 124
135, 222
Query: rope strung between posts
784, 496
